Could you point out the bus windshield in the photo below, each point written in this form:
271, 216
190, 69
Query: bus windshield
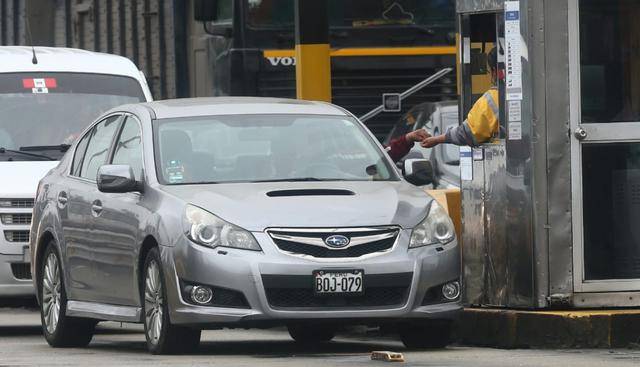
40, 110
358, 13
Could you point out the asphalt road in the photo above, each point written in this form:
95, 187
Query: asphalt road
21, 344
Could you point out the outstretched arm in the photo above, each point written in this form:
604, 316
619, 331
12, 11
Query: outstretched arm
399, 147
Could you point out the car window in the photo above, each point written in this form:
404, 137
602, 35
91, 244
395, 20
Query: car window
80, 150
128, 149
249, 148
98, 148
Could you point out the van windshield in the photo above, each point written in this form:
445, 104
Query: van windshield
266, 148
41, 111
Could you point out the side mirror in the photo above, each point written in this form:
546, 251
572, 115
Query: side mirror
117, 178
205, 10
418, 172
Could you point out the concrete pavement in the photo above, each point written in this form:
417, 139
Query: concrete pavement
22, 345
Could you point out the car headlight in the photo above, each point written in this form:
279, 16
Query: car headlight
436, 229
206, 229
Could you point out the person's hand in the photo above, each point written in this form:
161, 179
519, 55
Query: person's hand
417, 136
432, 141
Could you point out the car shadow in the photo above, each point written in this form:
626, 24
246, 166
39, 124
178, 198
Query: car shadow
20, 330
261, 348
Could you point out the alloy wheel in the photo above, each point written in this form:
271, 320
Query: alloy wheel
51, 293
153, 301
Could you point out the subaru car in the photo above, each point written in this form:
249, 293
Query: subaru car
211, 213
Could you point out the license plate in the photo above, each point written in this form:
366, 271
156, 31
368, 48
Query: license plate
338, 281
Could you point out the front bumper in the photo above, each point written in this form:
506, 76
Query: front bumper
9, 284
246, 272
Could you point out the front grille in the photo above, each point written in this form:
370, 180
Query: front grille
311, 242
16, 203
12, 219
16, 236
21, 271
381, 290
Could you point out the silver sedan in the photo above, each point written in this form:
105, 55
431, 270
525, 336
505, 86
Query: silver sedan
239, 212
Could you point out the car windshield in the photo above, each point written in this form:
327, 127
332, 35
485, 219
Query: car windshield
39, 111
264, 148
358, 13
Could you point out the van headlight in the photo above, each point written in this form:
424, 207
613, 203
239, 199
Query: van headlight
436, 229
208, 230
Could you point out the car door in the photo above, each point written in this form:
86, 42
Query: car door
75, 207
116, 231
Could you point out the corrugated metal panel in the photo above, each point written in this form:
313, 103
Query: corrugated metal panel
142, 30
12, 24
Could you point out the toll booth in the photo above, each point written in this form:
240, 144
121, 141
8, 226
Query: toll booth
551, 209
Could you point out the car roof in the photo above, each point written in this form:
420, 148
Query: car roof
61, 59
187, 107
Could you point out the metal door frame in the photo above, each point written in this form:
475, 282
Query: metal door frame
597, 134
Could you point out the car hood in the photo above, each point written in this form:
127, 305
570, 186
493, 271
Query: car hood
257, 206
20, 178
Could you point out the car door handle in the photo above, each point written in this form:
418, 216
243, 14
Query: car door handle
96, 208
62, 198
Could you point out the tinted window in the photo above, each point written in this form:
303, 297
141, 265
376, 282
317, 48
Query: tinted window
128, 149
609, 63
41, 102
98, 147
80, 150
249, 148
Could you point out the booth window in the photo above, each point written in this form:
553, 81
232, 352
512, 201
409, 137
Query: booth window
610, 60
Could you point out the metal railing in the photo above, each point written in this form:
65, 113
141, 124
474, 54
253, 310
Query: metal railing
408, 92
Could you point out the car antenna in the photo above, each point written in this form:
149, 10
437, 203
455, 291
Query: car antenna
34, 59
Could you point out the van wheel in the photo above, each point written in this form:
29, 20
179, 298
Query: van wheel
162, 337
307, 334
435, 334
60, 330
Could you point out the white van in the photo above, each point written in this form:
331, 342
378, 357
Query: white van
44, 105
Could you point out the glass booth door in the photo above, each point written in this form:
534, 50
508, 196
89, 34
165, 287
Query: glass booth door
605, 143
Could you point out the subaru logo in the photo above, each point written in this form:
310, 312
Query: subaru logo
337, 241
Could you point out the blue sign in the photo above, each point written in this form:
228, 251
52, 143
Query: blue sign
512, 15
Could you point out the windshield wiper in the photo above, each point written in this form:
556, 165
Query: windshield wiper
38, 148
34, 155
295, 179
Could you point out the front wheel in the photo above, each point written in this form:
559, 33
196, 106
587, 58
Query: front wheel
162, 337
435, 334
60, 330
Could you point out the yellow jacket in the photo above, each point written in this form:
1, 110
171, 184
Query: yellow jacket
483, 117
481, 124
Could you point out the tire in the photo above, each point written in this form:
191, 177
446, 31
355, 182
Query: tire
60, 330
310, 334
434, 334
162, 337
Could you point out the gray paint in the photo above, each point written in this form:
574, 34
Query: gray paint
559, 149
101, 263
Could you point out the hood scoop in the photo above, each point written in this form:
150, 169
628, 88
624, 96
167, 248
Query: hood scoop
310, 192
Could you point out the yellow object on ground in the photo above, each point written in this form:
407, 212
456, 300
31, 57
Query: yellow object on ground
387, 356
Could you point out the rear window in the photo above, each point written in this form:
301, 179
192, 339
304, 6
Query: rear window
48, 109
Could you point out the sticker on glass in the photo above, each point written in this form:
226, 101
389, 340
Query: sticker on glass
39, 85
174, 171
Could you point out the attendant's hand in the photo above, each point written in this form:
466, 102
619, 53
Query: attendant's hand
432, 141
417, 136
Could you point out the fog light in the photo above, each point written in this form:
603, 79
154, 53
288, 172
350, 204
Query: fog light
451, 290
201, 295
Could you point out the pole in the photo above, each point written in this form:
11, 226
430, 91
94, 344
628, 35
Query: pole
313, 63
